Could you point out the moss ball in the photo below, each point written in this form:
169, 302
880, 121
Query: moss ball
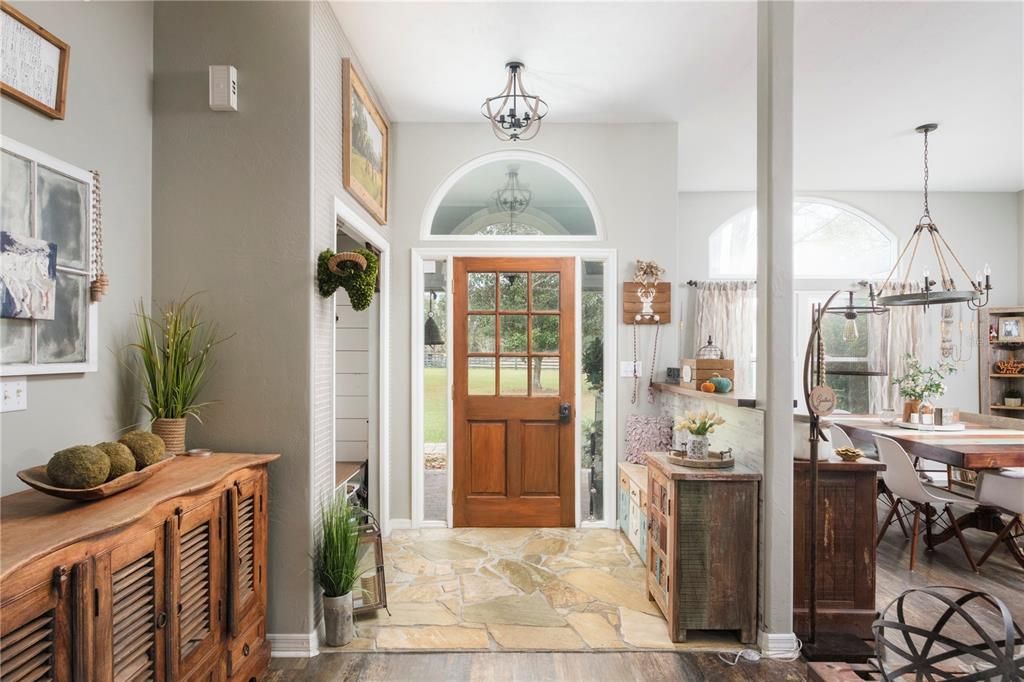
146, 447
121, 459
80, 466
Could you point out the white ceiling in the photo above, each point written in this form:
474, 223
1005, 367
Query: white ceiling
866, 74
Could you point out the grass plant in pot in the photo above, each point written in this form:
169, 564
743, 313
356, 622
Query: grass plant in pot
335, 565
172, 356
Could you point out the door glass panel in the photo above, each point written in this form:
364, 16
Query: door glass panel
512, 286
545, 291
544, 338
434, 403
481, 290
481, 333
513, 333
513, 376
481, 376
591, 407
544, 376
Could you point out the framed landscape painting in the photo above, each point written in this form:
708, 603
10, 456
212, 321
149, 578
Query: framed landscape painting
364, 146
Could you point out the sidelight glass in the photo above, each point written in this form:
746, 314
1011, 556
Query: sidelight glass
591, 406
513, 333
481, 290
544, 336
512, 287
545, 291
480, 329
435, 400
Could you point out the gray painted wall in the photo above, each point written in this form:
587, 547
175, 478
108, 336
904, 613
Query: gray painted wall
980, 226
631, 170
108, 127
1020, 246
231, 216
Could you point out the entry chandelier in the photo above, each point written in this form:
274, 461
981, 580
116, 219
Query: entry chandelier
512, 198
514, 113
946, 292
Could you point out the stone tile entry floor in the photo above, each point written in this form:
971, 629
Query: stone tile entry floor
511, 589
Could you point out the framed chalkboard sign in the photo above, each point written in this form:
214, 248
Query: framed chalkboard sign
33, 64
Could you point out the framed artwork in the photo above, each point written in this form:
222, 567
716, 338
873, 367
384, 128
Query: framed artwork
1011, 329
364, 146
48, 324
35, 63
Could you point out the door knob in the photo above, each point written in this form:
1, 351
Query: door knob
564, 413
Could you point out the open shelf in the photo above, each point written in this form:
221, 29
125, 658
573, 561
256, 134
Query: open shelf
993, 386
1006, 407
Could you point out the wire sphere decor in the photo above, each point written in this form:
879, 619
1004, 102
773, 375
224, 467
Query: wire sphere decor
940, 650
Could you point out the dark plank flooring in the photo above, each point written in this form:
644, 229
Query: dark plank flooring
530, 667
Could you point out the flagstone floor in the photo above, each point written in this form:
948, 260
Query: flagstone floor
510, 589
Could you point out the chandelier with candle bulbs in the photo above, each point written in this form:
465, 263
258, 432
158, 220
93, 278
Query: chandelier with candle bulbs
514, 113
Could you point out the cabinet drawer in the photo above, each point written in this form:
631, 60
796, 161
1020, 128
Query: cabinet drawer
245, 646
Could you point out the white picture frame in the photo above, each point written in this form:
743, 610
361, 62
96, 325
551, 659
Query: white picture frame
80, 272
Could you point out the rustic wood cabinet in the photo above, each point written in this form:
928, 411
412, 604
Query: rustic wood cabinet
702, 547
166, 581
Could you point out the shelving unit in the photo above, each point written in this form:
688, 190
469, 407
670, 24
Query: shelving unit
992, 386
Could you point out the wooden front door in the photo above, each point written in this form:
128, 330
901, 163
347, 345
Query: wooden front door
514, 387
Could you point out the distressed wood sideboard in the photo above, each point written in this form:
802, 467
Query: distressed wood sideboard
166, 581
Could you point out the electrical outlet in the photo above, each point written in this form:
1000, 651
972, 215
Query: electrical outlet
13, 394
630, 369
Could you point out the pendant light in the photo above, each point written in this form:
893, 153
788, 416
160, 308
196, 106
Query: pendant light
513, 198
431, 332
514, 113
945, 289
850, 332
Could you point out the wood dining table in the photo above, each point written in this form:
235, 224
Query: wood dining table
975, 448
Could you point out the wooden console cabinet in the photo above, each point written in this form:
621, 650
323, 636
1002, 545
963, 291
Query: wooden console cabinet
166, 581
702, 547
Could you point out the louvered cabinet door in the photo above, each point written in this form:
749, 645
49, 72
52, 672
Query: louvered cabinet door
247, 543
197, 559
131, 632
35, 634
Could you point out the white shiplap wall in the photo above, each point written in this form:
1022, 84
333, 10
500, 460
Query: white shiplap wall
351, 381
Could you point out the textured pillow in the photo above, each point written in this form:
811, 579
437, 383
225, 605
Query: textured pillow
645, 433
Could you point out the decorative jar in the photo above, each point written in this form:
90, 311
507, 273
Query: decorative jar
697, 446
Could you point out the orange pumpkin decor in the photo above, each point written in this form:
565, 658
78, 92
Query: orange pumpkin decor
707, 387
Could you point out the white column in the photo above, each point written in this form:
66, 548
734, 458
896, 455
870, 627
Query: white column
775, 315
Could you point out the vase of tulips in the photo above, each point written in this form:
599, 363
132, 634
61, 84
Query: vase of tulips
698, 425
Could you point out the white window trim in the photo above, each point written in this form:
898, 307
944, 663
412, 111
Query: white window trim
511, 155
611, 302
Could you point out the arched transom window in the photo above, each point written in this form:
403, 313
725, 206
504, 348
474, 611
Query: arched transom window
830, 241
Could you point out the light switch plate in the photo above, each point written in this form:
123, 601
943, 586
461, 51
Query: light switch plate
13, 394
630, 369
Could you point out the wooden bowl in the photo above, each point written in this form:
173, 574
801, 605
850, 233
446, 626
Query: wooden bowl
35, 477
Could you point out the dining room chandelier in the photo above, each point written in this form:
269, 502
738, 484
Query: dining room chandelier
513, 198
945, 290
514, 113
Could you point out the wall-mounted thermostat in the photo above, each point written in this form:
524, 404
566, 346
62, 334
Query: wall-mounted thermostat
223, 88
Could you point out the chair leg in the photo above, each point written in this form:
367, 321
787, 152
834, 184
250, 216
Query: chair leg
1003, 534
960, 538
929, 521
916, 526
885, 524
892, 502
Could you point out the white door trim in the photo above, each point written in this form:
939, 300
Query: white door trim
611, 302
379, 240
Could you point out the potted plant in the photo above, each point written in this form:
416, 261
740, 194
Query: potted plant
699, 424
335, 565
920, 384
173, 358
1012, 398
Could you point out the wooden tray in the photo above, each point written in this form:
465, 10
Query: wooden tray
930, 427
715, 460
35, 477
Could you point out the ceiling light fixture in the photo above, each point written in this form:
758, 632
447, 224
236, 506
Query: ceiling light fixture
947, 292
514, 113
513, 198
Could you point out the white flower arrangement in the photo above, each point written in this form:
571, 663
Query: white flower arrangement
699, 423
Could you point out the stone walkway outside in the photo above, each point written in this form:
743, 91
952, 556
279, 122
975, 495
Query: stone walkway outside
552, 589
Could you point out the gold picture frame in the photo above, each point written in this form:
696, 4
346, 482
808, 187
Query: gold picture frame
364, 145
52, 54
1010, 329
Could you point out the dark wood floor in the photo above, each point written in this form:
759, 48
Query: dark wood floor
530, 667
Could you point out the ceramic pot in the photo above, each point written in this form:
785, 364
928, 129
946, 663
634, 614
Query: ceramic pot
910, 407
338, 627
697, 447
172, 431
1012, 402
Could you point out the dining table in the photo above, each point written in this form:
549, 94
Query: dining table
976, 447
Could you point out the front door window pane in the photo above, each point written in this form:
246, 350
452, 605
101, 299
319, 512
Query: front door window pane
512, 287
545, 291
481, 290
544, 338
481, 333
544, 376
513, 376
513, 333
481, 376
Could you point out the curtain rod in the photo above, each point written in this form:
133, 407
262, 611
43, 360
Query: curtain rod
694, 283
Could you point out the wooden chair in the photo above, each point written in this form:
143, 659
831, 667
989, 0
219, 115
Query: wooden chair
1003, 489
902, 479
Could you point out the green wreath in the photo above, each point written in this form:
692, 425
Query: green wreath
360, 284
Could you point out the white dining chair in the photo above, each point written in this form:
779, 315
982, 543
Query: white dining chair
906, 486
1003, 489
841, 439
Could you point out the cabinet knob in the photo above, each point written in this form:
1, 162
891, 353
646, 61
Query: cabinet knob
161, 620
245, 649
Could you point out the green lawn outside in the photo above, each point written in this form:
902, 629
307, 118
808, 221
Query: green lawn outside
435, 418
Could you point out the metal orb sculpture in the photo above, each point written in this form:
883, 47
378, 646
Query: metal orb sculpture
941, 650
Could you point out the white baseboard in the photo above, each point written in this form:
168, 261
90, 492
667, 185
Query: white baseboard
400, 524
294, 645
777, 643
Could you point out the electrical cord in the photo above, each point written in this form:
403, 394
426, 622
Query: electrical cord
755, 656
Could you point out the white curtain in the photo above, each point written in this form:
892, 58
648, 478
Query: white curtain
905, 331
727, 312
